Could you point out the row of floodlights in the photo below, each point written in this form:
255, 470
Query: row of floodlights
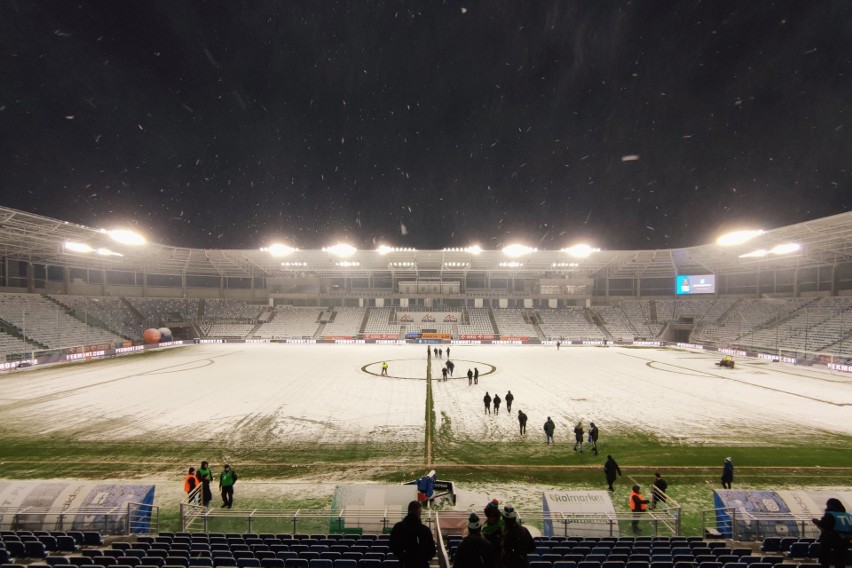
344, 250
742, 237
121, 236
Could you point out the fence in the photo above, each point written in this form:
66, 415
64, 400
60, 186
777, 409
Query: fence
744, 526
196, 518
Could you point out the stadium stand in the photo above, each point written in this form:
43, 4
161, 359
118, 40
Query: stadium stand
45, 321
291, 322
568, 323
513, 322
344, 322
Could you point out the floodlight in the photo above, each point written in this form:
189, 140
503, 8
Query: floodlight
106, 252
564, 265
126, 237
581, 250
348, 263
737, 237
475, 249
516, 250
786, 248
277, 249
78, 247
513, 264
385, 249
342, 250
759, 253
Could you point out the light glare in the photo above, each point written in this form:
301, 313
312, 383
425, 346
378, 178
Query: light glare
581, 250
278, 249
786, 248
737, 237
342, 250
516, 250
126, 237
78, 247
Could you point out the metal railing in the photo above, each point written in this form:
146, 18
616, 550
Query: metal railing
196, 518
132, 518
745, 526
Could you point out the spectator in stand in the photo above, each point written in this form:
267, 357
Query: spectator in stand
474, 551
517, 541
492, 530
411, 541
658, 490
833, 543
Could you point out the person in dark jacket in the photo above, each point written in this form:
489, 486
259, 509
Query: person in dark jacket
517, 541
476, 375
487, 401
658, 490
611, 470
832, 544
593, 437
492, 530
205, 477
469, 377
509, 398
578, 436
474, 551
497, 402
727, 473
549, 428
522, 421
411, 541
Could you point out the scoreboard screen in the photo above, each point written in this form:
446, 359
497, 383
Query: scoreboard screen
686, 284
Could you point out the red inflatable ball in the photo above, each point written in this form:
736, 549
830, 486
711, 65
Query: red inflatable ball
151, 335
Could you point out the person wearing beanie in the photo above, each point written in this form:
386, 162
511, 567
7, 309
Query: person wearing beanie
727, 473
411, 541
833, 545
517, 541
474, 551
492, 530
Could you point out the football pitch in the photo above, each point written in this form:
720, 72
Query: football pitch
297, 419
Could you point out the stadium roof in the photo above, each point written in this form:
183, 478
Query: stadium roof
41, 240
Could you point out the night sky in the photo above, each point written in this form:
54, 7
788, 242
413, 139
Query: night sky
427, 124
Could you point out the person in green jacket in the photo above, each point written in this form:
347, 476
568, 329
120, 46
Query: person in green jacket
205, 477
226, 485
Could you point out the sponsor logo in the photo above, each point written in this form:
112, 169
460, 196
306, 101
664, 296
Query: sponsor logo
350, 341
690, 346
131, 349
466, 342
295, 341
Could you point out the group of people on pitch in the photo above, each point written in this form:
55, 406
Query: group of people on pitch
196, 485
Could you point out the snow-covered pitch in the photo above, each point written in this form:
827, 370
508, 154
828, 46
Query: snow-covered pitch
334, 394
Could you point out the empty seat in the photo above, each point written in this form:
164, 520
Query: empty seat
271, 563
92, 538
152, 561
35, 549
128, 560
295, 563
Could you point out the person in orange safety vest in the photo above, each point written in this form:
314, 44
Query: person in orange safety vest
638, 505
